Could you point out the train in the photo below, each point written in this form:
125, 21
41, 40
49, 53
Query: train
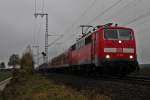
108, 49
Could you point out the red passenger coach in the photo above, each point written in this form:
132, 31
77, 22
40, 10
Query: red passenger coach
108, 48
60, 61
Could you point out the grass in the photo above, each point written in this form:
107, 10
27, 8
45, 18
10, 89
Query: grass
37, 87
4, 75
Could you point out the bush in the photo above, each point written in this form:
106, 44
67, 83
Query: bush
27, 63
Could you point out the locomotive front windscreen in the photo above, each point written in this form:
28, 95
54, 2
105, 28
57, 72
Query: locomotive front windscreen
117, 34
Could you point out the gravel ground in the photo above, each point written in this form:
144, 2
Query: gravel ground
114, 89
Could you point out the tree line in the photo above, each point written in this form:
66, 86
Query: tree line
25, 62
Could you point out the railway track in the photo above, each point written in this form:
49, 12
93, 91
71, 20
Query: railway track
130, 79
134, 78
127, 88
144, 80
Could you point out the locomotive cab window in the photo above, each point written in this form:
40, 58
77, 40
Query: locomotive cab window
110, 34
125, 34
117, 34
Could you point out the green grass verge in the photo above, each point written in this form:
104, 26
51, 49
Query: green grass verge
4, 75
37, 87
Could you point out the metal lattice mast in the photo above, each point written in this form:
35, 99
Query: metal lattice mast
46, 34
37, 47
46, 40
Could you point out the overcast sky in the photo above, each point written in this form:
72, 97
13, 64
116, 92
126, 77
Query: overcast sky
18, 27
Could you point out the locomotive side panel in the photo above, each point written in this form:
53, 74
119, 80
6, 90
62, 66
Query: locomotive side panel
84, 55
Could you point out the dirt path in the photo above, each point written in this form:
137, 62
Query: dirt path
4, 83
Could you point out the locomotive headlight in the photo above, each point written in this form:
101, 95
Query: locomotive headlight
107, 56
120, 41
131, 57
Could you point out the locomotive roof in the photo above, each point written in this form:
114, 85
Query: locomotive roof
101, 27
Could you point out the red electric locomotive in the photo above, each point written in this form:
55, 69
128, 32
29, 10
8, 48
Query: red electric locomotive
108, 48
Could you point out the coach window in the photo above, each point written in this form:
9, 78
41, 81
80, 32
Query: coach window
88, 40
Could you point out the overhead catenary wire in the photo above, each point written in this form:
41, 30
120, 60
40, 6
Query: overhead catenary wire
101, 14
77, 20
130, 21
125, 7
105, 11
137, 18
81, 16
145, 20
